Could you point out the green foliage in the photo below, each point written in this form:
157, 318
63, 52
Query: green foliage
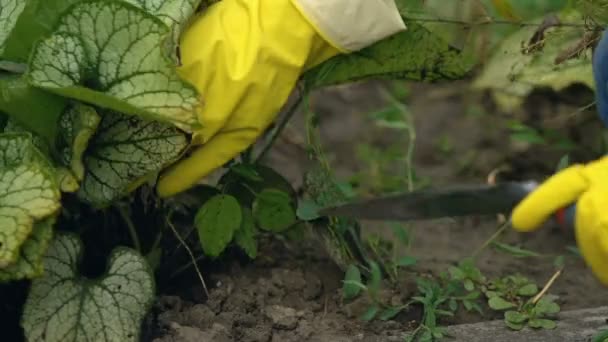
64, 306
532, 57
392, 59
93, 108
216, 221
535, 315
28, 195
132, 73
273, 210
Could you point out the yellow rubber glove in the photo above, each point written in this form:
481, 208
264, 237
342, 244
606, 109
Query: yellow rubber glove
245, 56
585, 186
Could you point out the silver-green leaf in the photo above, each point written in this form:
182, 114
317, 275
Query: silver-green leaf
28, 192
113, 55
123, 150
64, 306
9, 13
29, 264
78, 125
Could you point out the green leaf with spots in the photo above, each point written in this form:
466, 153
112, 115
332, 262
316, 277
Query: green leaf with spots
245, 236
78, 125
64, 306
415, 54
217, 221
123, 151
511, 75
29, 264
273, 210
112, 54
28, 193
43, 109
9, 13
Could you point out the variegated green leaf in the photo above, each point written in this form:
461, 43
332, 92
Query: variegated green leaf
78, 125
124, 149
29, 264
62, 306
28, 192
9, 13
112, 54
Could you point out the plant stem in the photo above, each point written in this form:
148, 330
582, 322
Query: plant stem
132, 231
547, 286
194, 260
276, 131
494, 236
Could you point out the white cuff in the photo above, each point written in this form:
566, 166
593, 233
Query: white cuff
351, 25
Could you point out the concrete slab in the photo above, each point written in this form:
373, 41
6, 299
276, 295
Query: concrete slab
573, 326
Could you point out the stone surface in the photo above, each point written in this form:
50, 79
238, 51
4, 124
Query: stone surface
573, 326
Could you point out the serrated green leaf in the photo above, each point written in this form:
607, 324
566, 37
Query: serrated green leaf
370, 313
9, 13
78, 125
515, 317
62, 306
498, 303
29, 264
28, 192
112, 54
415, 54
352, 282
245, 236
528, 290
539, 323
123, 150
468, 285
273, 210
43, 109
308, 210
217, 221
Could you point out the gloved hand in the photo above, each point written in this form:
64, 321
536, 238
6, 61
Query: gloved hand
586, 187
244, 57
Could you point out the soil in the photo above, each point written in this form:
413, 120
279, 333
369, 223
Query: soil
292, 292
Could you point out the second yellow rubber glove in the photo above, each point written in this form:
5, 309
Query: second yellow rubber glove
245, 56
586, 186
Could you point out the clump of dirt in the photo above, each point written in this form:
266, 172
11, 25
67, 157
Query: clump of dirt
293, 297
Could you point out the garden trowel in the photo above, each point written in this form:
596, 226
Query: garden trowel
463, 200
